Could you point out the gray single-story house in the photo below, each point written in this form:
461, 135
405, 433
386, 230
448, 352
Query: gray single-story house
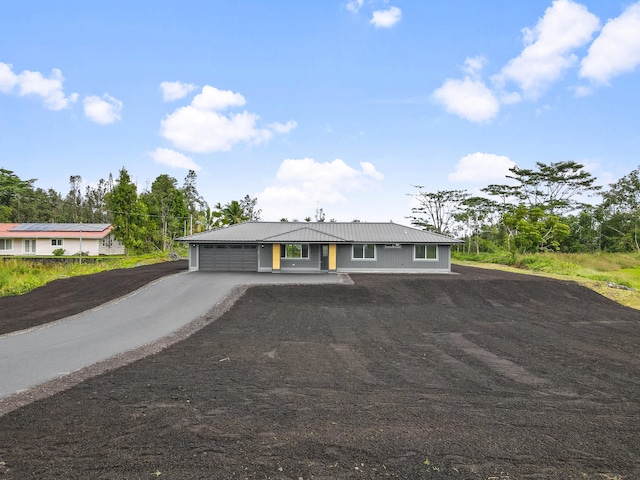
319, 247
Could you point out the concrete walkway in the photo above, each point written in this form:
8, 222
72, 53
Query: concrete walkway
32, 357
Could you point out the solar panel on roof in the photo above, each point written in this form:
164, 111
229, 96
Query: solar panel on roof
60, 227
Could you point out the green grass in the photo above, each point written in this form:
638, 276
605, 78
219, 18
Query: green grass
620, 268
594, 270
21, 275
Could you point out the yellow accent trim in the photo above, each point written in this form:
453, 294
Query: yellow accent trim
332, 256
276, 256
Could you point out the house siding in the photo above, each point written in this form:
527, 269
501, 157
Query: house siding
110, 246
71, 246
393, 259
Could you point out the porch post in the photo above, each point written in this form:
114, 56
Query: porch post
332, 257
275, 266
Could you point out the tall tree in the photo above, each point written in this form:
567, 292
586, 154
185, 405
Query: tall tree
74, 200
437, 210
38, 206
194, 202
127, 212
555, 186
196, 205
249, 207
586, 230
532, 208
13, 191
535, 230
166, 206
95, 205
320, 215
479, 215
233, 213
621, 204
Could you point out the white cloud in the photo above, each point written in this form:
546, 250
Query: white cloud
213, 99
481, 168
386, 18
508, 98
34, 83
470, 99
175, 90
8, 79
549, 47
173, 159
200, 127
354, 6
615, 51
203, 131
370, 170
474, 65
103, 110
303, 184
283, 127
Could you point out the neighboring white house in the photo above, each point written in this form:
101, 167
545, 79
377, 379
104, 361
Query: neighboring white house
45, 238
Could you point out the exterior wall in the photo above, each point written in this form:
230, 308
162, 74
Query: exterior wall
311, 264
71, 246
109, 246
393, 260
265, 257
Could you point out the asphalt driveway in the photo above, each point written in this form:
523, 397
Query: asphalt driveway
39, 354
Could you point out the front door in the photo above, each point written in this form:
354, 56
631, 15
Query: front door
29, 246
324, 258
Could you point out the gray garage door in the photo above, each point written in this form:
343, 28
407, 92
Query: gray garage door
229, 258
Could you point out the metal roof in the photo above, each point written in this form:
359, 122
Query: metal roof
305, 235
318, 232
60, 227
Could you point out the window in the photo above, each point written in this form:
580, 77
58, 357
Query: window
6, 244
295, 250
393, 245
364, 251
425, 252
56, 242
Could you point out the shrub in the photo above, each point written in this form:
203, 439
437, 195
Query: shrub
58, 252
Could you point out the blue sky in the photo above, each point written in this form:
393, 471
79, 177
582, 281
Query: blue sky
338, 104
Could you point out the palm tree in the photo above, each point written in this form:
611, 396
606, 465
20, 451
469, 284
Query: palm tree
232, 213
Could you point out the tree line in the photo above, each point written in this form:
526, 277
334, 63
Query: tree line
545, 208
144, 222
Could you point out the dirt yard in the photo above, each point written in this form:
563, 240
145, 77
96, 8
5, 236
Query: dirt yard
69, 296
482, 375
